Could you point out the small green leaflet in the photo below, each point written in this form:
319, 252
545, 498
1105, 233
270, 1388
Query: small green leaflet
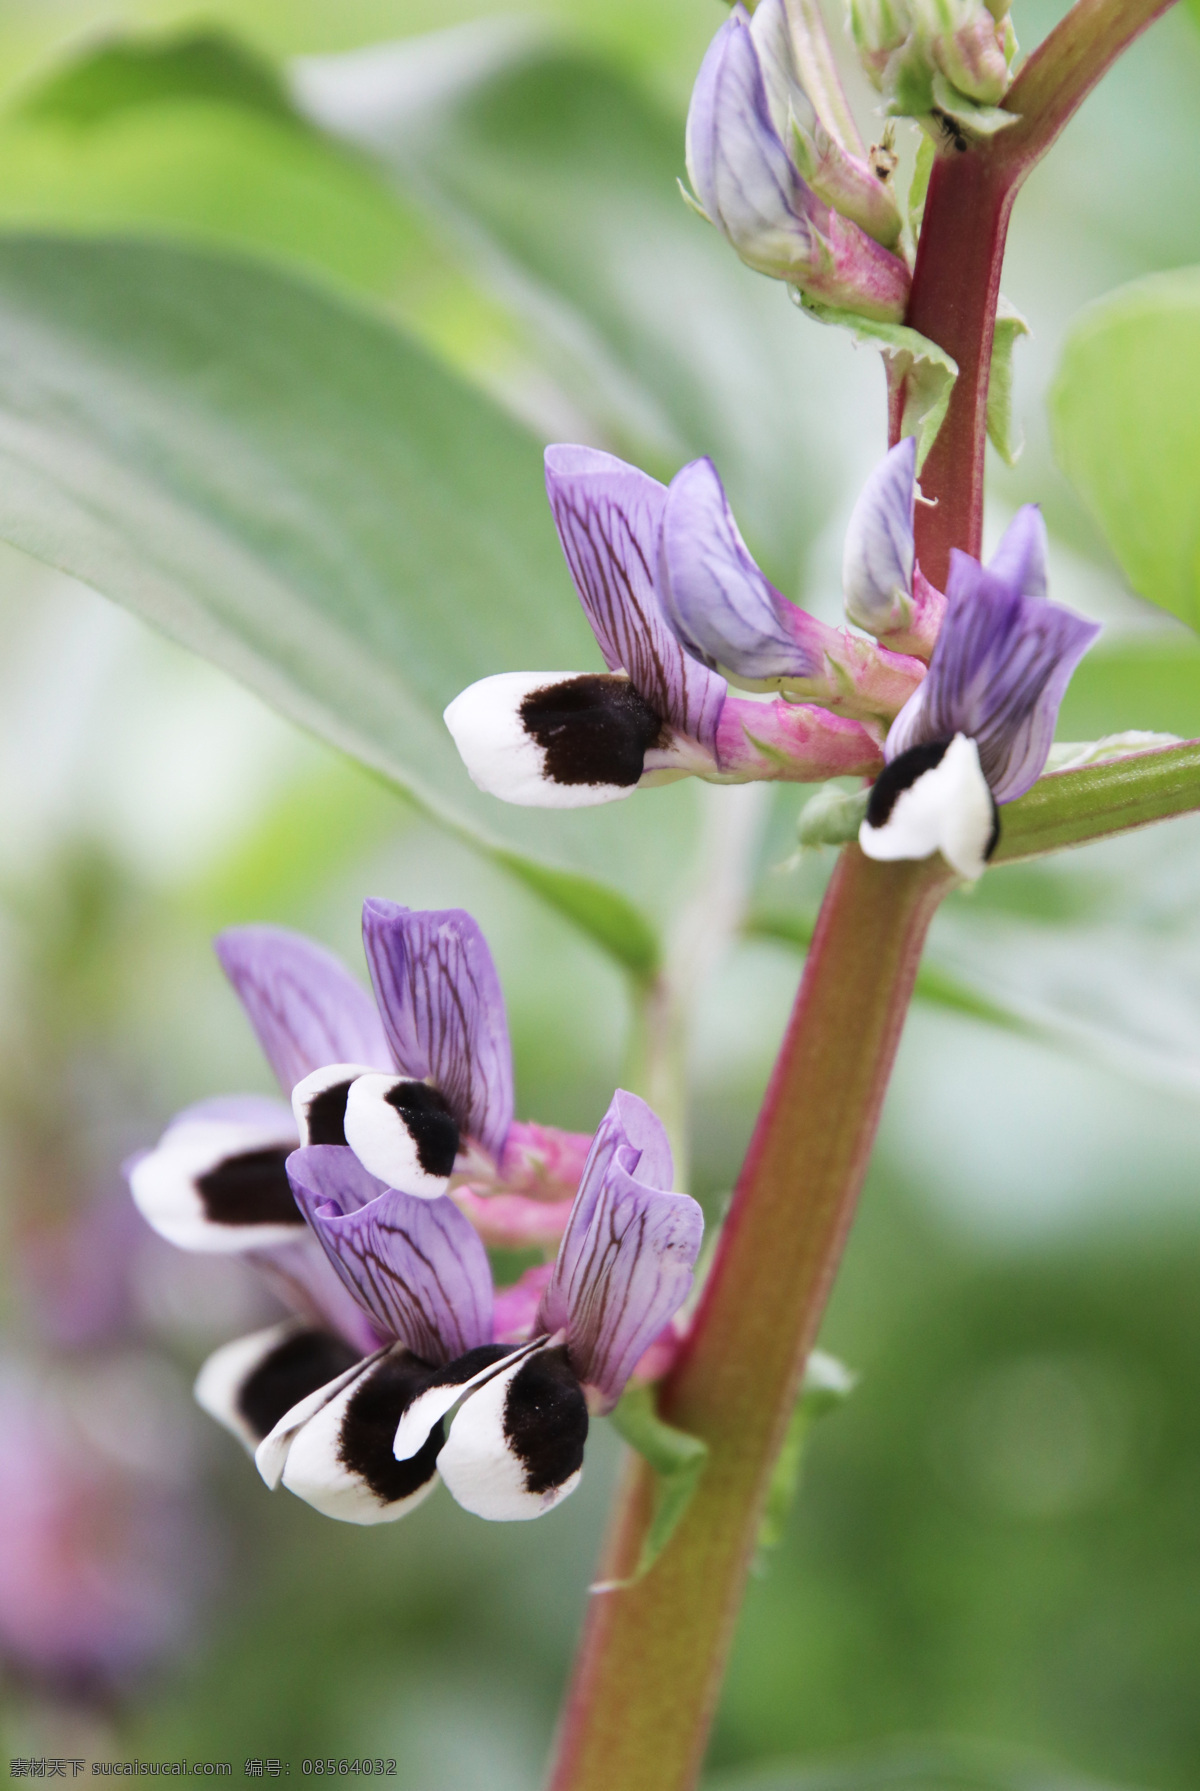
927, 372
678, 1461
832, 816
1009, 325
827, 1384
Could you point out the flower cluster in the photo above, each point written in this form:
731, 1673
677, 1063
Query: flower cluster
680, 609
354, 1203
931, 58
777, 180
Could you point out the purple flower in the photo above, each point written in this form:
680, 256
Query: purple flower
977, 732
417, 1083
660, 712
752, 137
367, 1442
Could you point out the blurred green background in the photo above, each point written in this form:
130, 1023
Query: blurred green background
992, 1575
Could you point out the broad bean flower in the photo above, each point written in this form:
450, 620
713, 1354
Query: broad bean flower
363, 1439
776, 181
977, 732
644, 559
417, 1083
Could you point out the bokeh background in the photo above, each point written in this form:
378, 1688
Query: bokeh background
992, 1574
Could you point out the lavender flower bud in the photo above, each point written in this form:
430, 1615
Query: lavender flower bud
776, 183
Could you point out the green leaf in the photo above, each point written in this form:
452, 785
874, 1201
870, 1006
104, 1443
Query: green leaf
1125, 410
294, 491
678, 1461
927, 371
558, 178
126, 72
827, 1384
1141, 681
1009, 326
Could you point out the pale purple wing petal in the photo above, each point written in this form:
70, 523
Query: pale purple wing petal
304, 1005
717, 601
998, 674
609, 520
443, 1011
633, 1278
417, 1266
1020, 560
632, 1134
302, 1277
737, 164
877, 565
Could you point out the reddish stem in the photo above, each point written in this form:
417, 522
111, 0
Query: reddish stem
956, 281
653, 1656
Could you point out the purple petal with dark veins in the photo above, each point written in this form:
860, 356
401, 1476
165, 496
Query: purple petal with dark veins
629, 1281
302, 1277
443, 1011
877, 564
1020, 560
416, 1266
609, 520
719, 604
998, 674
304, 1005
626, 1259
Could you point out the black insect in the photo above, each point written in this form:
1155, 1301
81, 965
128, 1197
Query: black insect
950, 131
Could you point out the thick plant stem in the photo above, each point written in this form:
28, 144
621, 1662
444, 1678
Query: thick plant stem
956, 281
653, 1655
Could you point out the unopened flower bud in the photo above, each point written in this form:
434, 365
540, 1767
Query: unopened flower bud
929, 56
778, 184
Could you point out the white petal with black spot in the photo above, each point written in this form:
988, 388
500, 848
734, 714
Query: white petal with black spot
515, 1448
219, 1185
402, 1131
948, 809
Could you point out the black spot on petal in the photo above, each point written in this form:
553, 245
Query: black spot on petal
899, 776
546, 1420
431, 1125
376, 1408
293, 1370
902, 774
250, 1189
595, 729
326, 1115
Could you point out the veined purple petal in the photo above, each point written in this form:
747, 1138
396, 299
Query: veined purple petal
609, 520
443, 1011
737, 164
302, 1277
718, 602
632, 1279
633, 1130
304, 1005
1020, 560
998, 674
417, 1266
626, 1260
877, 567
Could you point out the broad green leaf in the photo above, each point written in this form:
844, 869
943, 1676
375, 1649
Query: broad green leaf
194, 137
559, 180
678, 1461
1125, 409
124, 72
827, 1384
291, 489
1138, 681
